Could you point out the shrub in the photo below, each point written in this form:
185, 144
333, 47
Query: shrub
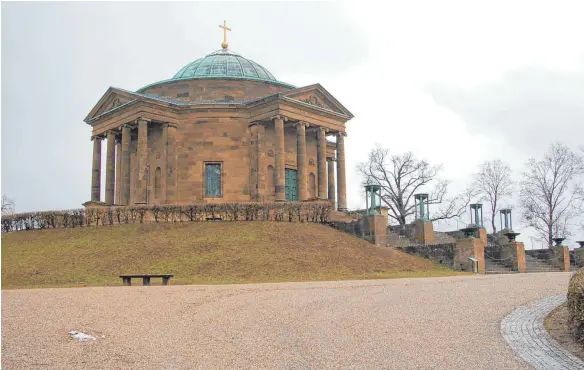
317, 212
576, 305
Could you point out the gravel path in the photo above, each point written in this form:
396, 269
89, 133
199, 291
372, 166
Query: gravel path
524, 330
439, 323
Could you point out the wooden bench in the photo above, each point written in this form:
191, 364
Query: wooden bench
146, 278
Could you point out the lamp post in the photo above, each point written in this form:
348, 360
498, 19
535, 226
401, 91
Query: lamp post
558, 241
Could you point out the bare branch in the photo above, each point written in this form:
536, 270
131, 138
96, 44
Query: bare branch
551, 193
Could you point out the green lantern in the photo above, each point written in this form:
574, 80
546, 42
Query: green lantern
373, 199
476, 209
421, 206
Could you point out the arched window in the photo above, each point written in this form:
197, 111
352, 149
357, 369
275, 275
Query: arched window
312, 185
271, 181
157, 179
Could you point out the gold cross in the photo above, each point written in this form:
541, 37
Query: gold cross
225, 29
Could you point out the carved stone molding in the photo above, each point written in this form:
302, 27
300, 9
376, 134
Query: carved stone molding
312, 100
270, 153
311, 161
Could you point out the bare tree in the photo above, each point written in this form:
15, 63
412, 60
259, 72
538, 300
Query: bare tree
551, 192
402, 176
7, 205
493, 183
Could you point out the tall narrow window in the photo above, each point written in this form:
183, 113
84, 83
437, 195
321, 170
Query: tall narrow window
212, 179
157, 185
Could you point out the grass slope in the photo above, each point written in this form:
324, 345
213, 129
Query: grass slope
199, 253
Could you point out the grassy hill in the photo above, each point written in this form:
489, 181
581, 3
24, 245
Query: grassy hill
199, 253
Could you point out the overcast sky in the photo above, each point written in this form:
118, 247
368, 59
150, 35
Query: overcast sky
456, 82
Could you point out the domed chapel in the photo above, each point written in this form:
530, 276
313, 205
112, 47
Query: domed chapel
223, 129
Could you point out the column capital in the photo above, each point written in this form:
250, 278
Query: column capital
323, 129
143, 120
169, 124
96, 137
128, 125
255, 123
301, 123
279, 116
342, 133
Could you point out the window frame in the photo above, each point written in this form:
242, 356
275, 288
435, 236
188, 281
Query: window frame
221, 183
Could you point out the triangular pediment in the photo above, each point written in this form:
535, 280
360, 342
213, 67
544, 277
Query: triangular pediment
112, 99
317, 96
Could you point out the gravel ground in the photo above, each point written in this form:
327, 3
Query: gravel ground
439, 323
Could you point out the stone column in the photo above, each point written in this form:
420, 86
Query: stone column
118, 197
321, 159
110, 170
171, 186
341, 181
142, 155
125, 170
301, 177
96, 169
332, 196
280, 154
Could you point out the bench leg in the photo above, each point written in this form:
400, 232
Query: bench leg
127, 281
146, 281
165, 280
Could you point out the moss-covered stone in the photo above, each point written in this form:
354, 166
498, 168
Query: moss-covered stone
576, 305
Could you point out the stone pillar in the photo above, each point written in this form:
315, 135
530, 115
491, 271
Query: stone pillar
96, 170
142, 155
515, 250
321, 162
424, 232
125, 170
341, 181
110, 170
171, 186
332, 196
118, 197
469, 247
376, 229
301, 176
561, 257
280, 164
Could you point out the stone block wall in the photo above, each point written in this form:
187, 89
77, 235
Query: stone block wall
214, 90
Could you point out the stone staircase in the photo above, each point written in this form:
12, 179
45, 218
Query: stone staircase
539, 265
495, 267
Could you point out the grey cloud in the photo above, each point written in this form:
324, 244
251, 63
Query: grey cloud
528, 109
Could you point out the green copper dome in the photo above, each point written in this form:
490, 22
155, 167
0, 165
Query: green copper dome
225, 64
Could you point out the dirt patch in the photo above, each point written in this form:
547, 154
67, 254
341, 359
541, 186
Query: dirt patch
557, 325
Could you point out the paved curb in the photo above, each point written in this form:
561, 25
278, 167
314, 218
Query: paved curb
525, 333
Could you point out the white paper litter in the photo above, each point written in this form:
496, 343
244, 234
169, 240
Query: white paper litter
81, 337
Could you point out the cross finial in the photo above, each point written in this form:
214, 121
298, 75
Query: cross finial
225, 29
